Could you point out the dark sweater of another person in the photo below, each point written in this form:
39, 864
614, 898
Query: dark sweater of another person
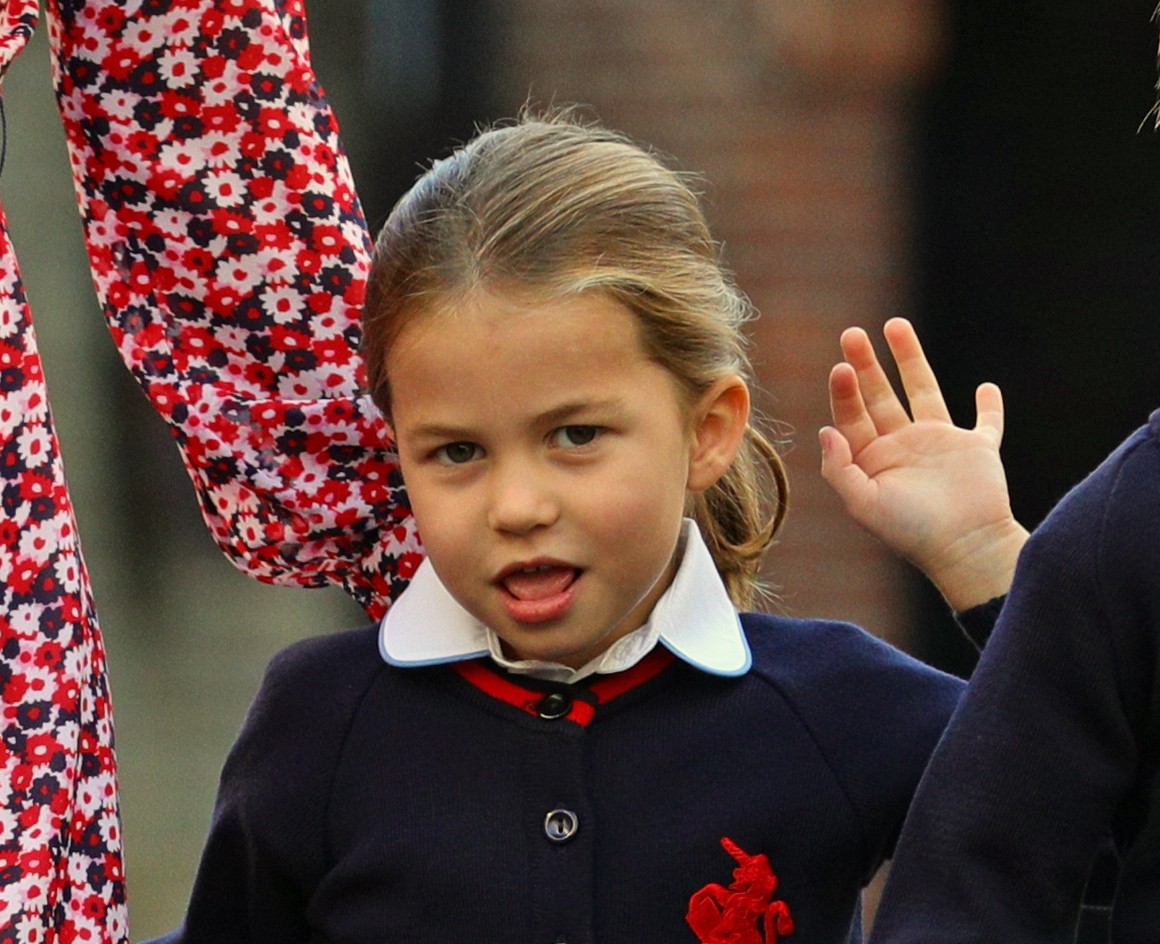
1057, 740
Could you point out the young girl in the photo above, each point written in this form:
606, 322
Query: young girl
562, 731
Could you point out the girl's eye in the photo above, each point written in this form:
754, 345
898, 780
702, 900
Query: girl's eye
457, 453
570, 437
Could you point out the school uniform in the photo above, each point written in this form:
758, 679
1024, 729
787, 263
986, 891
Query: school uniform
1057, 742
406, 782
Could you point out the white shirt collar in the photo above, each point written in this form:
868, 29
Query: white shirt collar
694, 618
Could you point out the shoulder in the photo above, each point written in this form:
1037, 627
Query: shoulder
874, 712
817, 650
1109, 524
1086, 589
308, 695
1134, 489
831, 670
1128, 479
274, 799
344, 658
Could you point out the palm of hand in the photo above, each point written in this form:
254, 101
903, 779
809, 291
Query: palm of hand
928, 490
932, 491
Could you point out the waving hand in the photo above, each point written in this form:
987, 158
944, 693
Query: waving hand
934, 492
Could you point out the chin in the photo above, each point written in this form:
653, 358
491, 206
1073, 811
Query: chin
568, 657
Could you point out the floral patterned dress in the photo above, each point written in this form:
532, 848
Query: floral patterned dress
60, 845
230, 255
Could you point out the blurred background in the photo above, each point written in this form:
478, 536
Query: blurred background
988, 169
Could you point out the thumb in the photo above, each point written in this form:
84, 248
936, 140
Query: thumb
838, 467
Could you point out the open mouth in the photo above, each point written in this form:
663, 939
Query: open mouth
539, 592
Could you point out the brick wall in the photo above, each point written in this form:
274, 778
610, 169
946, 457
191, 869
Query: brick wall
796, 112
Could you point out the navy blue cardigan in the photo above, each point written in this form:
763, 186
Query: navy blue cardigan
367, 803
1057, 740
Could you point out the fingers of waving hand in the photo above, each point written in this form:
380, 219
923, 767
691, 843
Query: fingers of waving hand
989, 412
848, 409
866, 403
914, 370
863, 401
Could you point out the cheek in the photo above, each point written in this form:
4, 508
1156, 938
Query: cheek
431, 513
656, 475
443, 543
637, 510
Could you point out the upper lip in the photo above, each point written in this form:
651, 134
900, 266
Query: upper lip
539, 562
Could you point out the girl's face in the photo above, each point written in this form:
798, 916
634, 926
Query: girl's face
547, 461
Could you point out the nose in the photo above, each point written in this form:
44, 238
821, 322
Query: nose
521, 500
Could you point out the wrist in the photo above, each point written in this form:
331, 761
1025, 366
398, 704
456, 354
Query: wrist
980, 566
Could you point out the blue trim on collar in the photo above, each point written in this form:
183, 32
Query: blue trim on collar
422, 663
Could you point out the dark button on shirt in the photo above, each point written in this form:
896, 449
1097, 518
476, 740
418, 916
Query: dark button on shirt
553, 706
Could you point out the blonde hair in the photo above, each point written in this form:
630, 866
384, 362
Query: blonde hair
555, 206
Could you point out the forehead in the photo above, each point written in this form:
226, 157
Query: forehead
495, 309
491, 351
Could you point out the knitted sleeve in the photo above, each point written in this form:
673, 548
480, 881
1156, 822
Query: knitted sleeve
61, 874
1020, 794
978, 622
230, 254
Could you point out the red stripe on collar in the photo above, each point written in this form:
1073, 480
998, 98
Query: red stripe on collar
483, 675
607, 687
480, 674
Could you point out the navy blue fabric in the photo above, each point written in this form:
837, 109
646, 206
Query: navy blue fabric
365, 803
1057, 740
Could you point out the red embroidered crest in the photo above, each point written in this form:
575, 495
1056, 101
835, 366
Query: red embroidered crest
745, 912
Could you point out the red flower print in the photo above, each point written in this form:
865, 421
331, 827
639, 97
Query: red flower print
408, 564
111, 19
217, 205
745, 912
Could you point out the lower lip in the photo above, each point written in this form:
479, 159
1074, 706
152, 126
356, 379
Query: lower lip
540, 611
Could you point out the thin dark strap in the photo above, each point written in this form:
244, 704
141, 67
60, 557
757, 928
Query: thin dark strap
3, 135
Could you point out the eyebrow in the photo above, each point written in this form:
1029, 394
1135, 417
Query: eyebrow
435, 431
566, 411
558, 415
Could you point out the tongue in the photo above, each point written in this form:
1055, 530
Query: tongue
539, 584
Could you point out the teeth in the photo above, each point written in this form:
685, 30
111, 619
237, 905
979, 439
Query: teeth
539, 568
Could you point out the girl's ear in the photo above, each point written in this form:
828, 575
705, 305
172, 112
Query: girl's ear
720, 418
393, 440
